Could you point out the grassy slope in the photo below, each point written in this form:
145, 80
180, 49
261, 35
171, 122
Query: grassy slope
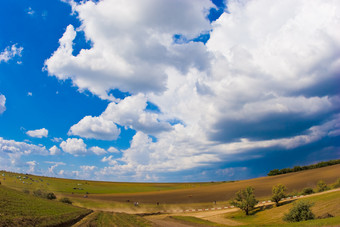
59, 185
20, 209
103, 193
113, 219
272, 216
325, 203
194, 220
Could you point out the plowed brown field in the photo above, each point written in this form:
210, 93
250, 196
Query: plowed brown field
225, 191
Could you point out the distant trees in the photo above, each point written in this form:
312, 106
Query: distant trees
300, 168
299, 212
278, 193
245, 200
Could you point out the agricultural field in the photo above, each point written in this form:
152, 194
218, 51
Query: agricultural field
220, 191
20, 209
114, 203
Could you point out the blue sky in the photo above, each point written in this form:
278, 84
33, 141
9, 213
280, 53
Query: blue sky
168, 90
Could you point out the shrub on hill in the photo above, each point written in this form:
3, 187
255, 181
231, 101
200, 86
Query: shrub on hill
307, 191
65, 200
322, 186
50, 196
299, 212
336, 184
41, 194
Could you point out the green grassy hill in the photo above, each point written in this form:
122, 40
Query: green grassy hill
67, 186
20, 209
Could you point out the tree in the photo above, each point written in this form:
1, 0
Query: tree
245, 200
278, 193
322, 186
300, 212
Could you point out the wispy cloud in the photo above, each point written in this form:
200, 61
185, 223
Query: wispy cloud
10, 52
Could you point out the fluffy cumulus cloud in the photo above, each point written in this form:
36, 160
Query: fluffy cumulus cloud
2, 103
74, 146
54, 150
38, 133
95, 127
98, 151
130, 48
10, 52
267, 77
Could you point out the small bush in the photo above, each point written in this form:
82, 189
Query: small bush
38, 193
26, 191
65, 200
336, 184
50, 196
307, 191
299, 212
322, 186
44, 195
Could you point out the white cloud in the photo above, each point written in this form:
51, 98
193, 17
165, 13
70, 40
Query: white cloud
131, 113
57, 139
113, 150
29, 94
74, 146
10, 52
88, 168
30, 11
54, 150
96, 128
110, 160
2, 104
98, 150
138, 50
264, 82
11, 152
32, 166
51, 169
38, 133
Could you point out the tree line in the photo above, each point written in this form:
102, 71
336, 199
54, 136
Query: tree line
300, 168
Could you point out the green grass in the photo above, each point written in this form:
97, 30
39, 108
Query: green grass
103, 219
20, 209
272, 216
59, 185
194, 220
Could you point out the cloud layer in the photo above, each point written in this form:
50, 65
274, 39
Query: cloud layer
264, 79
